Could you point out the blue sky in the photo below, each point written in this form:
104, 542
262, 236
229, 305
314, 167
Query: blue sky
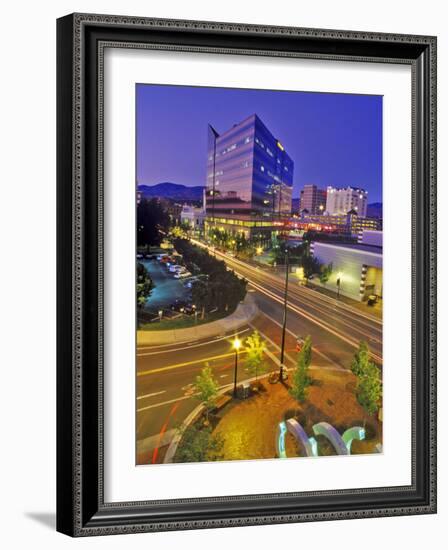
333, 139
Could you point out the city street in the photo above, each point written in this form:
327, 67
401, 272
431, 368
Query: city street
165, 374
313, 310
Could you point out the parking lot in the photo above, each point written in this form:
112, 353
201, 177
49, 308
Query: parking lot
167, 289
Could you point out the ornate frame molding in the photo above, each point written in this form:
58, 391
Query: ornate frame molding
81, 42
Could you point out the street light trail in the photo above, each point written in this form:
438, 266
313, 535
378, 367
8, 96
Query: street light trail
162, 431
249, 275
316, 301
311, 294
193, 345
315, 349
338, 316
329, 329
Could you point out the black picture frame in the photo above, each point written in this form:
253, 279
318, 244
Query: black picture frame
81, 510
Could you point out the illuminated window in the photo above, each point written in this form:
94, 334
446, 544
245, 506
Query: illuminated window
260, 143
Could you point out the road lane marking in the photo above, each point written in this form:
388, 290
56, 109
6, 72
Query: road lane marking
337, 365
151, 394
187, 363
161, 404
189, 346
183, 398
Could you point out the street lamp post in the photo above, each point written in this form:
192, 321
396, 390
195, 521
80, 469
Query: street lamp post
285, 311
338, 283
236, 346
160, 314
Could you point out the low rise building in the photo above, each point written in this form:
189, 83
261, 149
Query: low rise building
348, 224
195, 217
357, 268
312, 199
260, 230
342, 201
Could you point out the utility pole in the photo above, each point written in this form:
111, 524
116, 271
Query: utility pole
285, 312
236, 346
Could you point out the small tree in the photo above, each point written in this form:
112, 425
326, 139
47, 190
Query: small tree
300, 377
310, 265
360, 359
144, 285
200, 296
199, 445
325, 272
370, 389
369, 385
255, 348
152, 222
206, 389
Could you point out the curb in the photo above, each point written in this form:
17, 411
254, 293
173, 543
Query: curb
172, 448
244, 313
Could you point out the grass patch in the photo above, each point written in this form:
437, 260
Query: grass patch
186, 321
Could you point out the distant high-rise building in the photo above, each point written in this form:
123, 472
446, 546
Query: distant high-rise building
342, 201
248, 172
313, 199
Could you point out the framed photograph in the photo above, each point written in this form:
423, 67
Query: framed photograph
246, 274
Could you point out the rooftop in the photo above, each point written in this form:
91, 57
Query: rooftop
353, 246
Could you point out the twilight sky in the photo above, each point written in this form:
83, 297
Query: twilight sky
333, 139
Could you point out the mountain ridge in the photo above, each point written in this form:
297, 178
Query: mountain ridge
170, 190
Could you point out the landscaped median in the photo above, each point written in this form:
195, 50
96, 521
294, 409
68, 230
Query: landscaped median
244, 313
248, 428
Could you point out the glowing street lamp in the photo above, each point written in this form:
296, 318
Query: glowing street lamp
259, 250
236, 344
160, 314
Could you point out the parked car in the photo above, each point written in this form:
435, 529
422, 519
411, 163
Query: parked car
182, 274
180, 305
180, 269
190, 282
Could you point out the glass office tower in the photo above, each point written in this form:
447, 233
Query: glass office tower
248, 172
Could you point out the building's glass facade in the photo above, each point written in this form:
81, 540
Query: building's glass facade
313, 199
248, 172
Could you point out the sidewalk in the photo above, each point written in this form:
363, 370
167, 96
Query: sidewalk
243, 314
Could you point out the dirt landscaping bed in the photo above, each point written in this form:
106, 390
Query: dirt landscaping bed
249, 427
